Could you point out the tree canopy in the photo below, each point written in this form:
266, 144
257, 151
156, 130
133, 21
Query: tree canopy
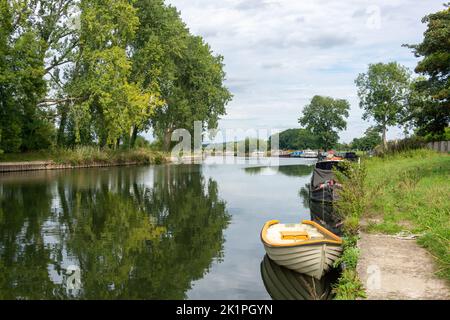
296, 139
383, 92
325, 117
100, 72
369, 141
430, 104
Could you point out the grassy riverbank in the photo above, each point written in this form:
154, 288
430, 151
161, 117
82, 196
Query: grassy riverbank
89, 155
350, 208
406, 192
410, 192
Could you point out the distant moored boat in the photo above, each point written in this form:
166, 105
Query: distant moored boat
310, 154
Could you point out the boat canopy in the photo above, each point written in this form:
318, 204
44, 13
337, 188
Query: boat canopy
328, 165
321, 176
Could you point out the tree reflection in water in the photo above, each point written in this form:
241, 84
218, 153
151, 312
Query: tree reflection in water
129, 239
291, 170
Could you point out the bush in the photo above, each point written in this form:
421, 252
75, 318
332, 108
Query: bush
352, 197
349, 287
400, 146
349, 258
141, 142
86, 155
350, 207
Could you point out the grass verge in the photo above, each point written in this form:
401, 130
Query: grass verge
409, 191
350, 208
89, 155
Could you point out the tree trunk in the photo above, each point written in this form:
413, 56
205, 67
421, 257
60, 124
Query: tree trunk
102, 141
384, 138
167, 139
133, 137
62, 126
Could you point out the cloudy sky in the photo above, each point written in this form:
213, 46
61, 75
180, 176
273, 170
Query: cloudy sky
280, 53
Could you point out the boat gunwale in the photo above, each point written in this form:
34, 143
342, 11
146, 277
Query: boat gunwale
334, 241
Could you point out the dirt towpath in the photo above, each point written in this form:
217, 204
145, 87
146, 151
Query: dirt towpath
396, 269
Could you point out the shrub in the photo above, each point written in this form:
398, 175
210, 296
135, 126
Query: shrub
350, 207
352, 197
349, 286
349, 258
400, 146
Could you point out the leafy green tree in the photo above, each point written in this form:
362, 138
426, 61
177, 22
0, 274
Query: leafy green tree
97, 70
100, 77
430, 105
296, 139
369, 141
325, 117
190, 78
383, 92
23, 125
197, 94
158, 46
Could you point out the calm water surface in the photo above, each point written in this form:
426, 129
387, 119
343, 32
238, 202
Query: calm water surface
157, 232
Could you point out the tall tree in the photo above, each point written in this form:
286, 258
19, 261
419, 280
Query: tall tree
383, 92
23, 126
36, 41
157, 48
98, 69
325, 117
430, 111
197, 93
100, 76
190, 77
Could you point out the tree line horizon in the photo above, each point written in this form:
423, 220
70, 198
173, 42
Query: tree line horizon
101, 72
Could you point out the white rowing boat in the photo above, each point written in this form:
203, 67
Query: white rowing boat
306, 247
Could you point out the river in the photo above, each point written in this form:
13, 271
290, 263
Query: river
145, 232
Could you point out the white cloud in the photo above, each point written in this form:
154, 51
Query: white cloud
278, 54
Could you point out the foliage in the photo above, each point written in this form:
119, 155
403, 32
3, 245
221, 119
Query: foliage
350, 207
369, 141
89, 155
383, 92
431, 111
352, 195
349, 287
100, 77
22, 84
183, 66
243, 147
141, 142
84, 73
349, 257
400, 146
296, 139
431, 137
325, 117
